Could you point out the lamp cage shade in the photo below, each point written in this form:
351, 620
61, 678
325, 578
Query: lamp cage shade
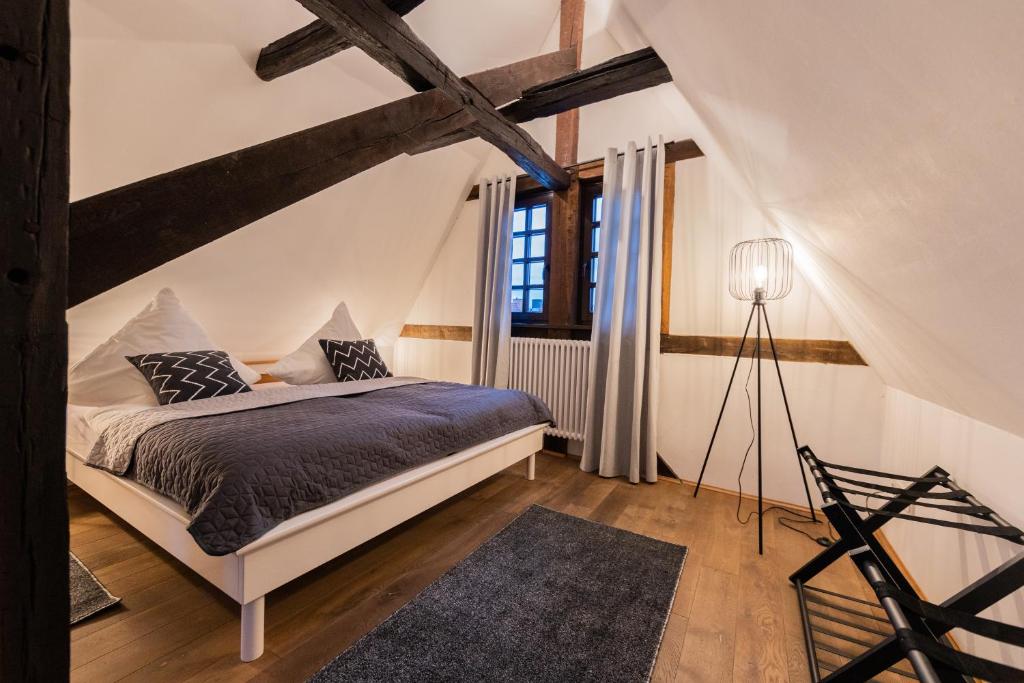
761, 269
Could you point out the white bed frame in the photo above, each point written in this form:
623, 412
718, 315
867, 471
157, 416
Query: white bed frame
302, 543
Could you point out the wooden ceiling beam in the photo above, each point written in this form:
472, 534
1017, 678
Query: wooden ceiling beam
617, 76
679, 150
383, 35
316, 41
125, 232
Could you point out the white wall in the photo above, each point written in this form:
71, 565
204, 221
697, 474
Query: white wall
986, 461
837, 409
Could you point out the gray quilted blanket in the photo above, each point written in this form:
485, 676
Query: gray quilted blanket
241, 473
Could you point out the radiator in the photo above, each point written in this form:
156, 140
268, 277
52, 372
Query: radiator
556, 370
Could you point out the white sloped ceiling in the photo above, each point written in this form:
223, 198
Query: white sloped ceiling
885, 139
159, 85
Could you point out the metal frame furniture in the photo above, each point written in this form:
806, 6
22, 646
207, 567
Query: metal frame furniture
918, 630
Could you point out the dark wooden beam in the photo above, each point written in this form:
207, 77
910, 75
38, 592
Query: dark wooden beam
618, 76
383, 35
567, 123
120, 234
674, 151
791, 350
34, 78
314, 42
794, 350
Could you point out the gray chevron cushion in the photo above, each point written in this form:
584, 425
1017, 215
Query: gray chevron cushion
189, 375
353, 360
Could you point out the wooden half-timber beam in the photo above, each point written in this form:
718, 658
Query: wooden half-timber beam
384, 36
794, 350
122, 233
679, 150
34, 115
567, 124
617, 76
314, 42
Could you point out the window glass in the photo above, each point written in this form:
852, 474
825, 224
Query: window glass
539, 217
518, 247
519, 220
535, 300
590, 227
537, 245
517, 274
529, 251
536, 272
517, 300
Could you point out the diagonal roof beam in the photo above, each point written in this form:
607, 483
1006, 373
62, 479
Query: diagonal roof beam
314, 42
383, 35
617, 76
120, 234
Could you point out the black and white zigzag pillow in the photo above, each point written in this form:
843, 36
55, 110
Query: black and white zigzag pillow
354, 360
189, 375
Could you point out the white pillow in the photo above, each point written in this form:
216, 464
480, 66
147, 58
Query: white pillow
105, 377
308, 364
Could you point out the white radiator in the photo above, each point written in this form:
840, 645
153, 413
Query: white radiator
556, 370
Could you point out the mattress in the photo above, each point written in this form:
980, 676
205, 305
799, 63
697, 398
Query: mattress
86, 423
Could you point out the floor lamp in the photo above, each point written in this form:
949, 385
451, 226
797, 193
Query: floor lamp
760, 271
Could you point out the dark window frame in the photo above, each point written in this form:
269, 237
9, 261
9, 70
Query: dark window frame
589, 191
527, 201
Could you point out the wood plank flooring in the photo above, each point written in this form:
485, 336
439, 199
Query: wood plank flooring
735, 616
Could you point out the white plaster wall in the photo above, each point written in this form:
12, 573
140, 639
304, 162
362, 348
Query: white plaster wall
986, 461
884, 138
837, 409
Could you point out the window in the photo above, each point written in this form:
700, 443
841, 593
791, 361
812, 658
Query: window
590, 234
530, 231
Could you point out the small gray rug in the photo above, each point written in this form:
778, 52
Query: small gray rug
550, 598
88, 596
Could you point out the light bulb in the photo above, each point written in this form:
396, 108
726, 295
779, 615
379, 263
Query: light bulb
760, 276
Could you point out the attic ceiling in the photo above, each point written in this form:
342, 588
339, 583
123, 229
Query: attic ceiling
159, 88
878, 137
882, 138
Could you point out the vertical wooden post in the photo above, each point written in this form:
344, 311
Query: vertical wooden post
565, 234
34, 72
668, 223
567, 124
565, 248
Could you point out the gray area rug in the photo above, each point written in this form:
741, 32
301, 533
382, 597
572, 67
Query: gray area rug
88, 596
550, 598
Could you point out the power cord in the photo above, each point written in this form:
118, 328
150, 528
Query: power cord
824, 541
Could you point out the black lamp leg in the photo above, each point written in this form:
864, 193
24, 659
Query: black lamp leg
789, 416
721, 412
760, 498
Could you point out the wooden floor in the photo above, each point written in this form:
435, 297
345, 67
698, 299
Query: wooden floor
734, 616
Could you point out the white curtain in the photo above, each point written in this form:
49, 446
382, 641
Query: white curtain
621, 427
492, 314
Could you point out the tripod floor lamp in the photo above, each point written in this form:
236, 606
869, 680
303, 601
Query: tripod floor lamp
760, 271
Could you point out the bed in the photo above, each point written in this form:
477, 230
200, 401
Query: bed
438, 440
